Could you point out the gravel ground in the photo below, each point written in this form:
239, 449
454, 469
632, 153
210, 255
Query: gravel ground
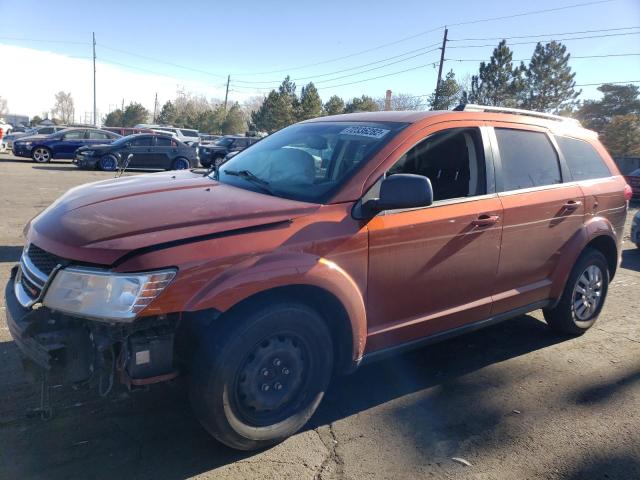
512, 401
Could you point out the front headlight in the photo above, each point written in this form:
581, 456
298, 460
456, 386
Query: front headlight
86, 152
105, 295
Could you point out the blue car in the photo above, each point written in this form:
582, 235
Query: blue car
62, 144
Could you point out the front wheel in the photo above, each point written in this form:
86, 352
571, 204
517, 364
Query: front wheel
258, 379
180, 164
583, 296
41, 155
108, 163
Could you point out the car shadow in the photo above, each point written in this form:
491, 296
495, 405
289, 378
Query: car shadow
153, 434
10, 253
631, 259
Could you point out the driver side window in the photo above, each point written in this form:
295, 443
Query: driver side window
452, 159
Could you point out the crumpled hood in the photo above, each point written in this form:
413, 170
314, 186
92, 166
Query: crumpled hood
102, 221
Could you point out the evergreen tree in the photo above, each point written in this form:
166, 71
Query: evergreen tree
449, 93
234, 122
310, 103
616, 100
279, 108
622, 135
36, 121
362, 104
498, 82
549, 80
334, 106
167, 114
133, 114
113, 119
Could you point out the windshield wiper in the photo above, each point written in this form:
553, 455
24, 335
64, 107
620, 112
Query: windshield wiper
250, 177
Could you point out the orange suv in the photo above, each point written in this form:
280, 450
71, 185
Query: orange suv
331, 243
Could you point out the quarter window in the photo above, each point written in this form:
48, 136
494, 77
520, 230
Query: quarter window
453, 160
528, 159
582, 159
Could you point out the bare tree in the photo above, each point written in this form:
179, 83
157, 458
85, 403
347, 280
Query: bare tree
404, 101
3, 107
63, 107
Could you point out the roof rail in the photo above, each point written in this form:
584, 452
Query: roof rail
470, 107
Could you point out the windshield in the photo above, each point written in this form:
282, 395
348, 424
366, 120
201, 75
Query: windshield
307, 161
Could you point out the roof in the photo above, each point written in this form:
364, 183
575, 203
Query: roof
409, 116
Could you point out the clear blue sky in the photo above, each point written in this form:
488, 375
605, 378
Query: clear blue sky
256, 36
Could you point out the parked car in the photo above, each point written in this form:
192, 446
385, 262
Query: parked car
124, 131
62, 144
141, 151
208, 138
267, 276
185, 135
213, 154
635, 229
633, 179
30, 132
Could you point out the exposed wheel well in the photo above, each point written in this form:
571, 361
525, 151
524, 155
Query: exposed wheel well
607, 246
325, 303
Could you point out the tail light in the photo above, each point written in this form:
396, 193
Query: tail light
628, 192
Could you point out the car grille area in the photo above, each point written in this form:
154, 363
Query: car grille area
36, 266
42, 260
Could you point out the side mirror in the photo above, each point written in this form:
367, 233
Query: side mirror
402, 190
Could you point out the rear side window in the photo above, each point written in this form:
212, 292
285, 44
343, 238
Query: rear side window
528, 159
163, 142
93, 135
583, 160
189, 133
142, 142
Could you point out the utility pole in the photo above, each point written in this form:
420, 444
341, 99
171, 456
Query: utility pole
95, 123
444, 46
155, 108
226, 95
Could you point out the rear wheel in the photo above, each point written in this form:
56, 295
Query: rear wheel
41, 155
258, 380
108, 163
583, 296
180, 164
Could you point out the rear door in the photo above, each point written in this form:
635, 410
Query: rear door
69, 143
142, 152
543, 210
165, 151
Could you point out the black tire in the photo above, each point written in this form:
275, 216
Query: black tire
108, 163
218, 161
565, 317
285, 346
180, 163
41, 155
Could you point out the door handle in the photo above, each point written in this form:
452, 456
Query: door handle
572, 204
485, 220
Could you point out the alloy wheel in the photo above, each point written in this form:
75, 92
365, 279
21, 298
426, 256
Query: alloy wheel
41, 155
587, 293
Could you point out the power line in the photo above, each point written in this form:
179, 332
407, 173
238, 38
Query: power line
426, 32
527, 59
551, 40
126, 52
542, 34
347, 69
349, 75
602, 83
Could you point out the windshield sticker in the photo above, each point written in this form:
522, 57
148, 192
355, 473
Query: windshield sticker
371, 132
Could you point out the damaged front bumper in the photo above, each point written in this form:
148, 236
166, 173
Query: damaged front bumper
71, 349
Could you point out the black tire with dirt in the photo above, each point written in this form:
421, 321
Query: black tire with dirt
583, 296
259, 377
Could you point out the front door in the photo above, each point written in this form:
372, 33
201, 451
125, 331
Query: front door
433, 269
542, 213
142, 152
